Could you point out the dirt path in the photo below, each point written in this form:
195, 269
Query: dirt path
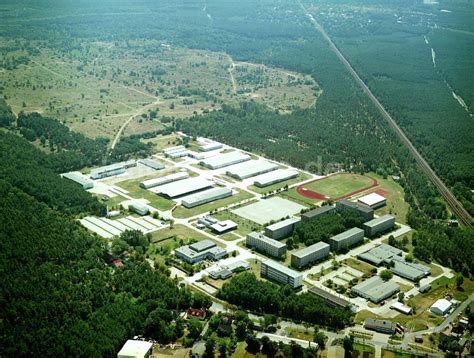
231, 74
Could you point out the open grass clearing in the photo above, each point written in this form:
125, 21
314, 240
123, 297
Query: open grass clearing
359, 265
178, 232
339, 185
244, 226
292, 195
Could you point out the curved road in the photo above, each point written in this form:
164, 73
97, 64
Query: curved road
453, 203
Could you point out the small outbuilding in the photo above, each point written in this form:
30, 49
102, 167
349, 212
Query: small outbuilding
135, 349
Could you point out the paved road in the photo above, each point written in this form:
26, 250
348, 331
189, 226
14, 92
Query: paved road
453, 203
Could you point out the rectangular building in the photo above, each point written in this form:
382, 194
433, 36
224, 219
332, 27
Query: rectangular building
224, 160
364, 211
379, 255
375, 289
206, 197
177, 148
318, 212
330, 299
281, 229
282, 274
151, 183
346, 239
265, 244
80, 179
380, 326
199, 251
153, 164
112, 169
251, 168
183, 187
409, 270
373, 200
310, 254
136, 349
379, 225
274, 177
207, 147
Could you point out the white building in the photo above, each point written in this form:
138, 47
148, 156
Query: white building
373, 200
135, 349
441, 307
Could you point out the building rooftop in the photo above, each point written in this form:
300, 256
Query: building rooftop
409, 270
283, 223
329, 296
379, 220
281, 268
78, 178
318, 211
355, 205
222, 226
266, 239
401, 307
238, 264
276, 175
202, 245
442, 304
380, 254
310, 249
133, 348
226, 159
372, 199
376, 288
152, 163
251, 168
184, 186
207, 194
378, 323
344, 235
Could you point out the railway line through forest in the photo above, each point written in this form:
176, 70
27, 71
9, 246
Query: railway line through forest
456, 207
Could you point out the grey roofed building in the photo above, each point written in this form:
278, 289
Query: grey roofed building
381, 254
409, 270
153, 164
177, 148
346, 239
265, 244
274, 177
224, 160
80, 179
202, 250
139, 208
280, 273
250, 168
364, 211
375, 289
379, 225
238, 265
183, 187
151, 183
207, 147
206, 197
202, 245
281, 229
112, 169
310, 254
331, 299
221, 227
318, 212
381, 326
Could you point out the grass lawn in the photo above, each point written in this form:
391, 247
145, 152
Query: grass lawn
364, 314
180, 232
292, 195
228, 236
359, 265
299, 334
255, 267
301, 177
244, 226
182, 212
162, 141
339, 185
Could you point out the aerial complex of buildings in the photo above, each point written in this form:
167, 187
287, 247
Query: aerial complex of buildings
213, 191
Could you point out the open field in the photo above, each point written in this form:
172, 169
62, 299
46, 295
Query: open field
336, 186
89, 89
244, 226
178, 232
182, 212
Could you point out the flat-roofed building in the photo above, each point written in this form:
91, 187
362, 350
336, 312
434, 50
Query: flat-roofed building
225, 160
281, 229
196, 155
441, 307
379, 225
280, 273
199, 251
409, 270
177, 148
375, 289
151, 183
177, 154
80, 179
183, 187
206, 197
112, 169
400, 307
346, 239
330, 299
207, 147
274, 177
380, 326
135, 349
310, 254
221, 227
349, 206
251, 168
140, 208
153, 164
373, 200
318, 212
381, 254
265, 244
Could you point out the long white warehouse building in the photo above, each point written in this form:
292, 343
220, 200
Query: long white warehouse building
206, 197
183, 187
224, 160
275, 177
251, 169
151, 183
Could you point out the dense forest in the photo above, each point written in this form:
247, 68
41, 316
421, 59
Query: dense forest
60, 298
246, 291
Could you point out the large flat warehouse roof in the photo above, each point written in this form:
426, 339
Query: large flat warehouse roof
224, 160
251, 168
183, 187
267, 210
275, 177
